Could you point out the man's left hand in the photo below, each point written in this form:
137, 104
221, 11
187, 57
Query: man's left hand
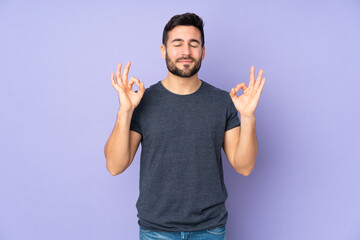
248, 101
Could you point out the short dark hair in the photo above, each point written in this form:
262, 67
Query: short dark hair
186, 19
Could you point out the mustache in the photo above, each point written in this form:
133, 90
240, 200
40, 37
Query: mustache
185, 58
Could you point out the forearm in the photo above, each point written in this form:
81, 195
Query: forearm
246, 151
117, 148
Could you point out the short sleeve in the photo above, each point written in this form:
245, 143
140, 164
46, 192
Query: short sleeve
232, 117
135, 122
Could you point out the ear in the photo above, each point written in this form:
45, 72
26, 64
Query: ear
203, 53
163, 51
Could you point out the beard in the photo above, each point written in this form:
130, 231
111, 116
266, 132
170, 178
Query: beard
187, 71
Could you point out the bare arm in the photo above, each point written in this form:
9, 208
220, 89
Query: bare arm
122, 144
240, 143
240, 146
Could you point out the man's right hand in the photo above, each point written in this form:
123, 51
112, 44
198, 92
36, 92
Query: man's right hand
129, 99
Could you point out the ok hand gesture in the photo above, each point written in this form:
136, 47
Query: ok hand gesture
247, 102
128, 98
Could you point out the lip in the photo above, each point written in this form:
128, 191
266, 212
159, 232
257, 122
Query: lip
185, 61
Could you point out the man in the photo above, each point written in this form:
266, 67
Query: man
182, 122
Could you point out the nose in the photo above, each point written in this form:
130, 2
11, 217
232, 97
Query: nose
186, 50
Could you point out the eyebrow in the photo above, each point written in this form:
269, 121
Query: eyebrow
181, 40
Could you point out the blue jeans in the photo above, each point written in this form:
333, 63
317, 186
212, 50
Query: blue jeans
218, 233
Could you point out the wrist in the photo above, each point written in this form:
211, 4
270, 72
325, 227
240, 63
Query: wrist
122, 111
124, 115
247, 118
247, 122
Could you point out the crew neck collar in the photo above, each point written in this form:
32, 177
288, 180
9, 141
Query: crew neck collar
184, 95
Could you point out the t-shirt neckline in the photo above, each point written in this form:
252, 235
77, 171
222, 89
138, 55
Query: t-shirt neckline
181, 95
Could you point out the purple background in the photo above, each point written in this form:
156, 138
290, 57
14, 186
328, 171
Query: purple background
58, 109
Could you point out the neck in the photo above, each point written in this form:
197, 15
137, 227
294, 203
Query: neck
181, 85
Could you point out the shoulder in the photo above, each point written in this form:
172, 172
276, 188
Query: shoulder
216, 92
153, 88
151, 93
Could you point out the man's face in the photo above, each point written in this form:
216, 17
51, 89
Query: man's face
183, 52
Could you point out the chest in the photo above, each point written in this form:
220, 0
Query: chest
203, 119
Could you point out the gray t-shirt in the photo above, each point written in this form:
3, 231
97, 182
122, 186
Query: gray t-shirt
181, 174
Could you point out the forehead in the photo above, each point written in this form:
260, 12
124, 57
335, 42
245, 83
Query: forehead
185, 33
